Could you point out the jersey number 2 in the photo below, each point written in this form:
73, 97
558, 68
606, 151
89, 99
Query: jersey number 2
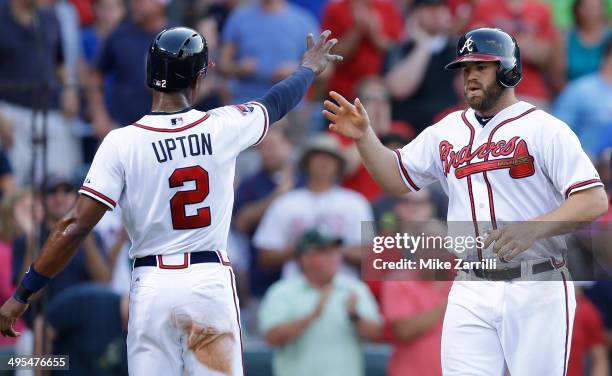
180, 219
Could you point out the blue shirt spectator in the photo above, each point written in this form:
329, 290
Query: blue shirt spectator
252, 189
29, 56
5, 166
586, 106
265, 43
74, 273
254, 195
123, 55
89, 323
583, 59
313, 6
5, 171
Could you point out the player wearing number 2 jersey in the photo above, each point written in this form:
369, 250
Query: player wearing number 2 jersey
172, 173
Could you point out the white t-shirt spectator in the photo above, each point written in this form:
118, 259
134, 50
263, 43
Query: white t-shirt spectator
338, 211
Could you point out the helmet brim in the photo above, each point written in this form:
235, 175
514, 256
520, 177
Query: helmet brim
458, 62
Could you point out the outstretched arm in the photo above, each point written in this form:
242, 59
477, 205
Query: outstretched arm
285, 95
57, 251
351, 120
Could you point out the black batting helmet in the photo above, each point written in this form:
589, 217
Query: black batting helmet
488, 44
175, 59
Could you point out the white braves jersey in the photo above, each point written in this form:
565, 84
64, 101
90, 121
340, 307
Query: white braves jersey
173, 175
521, 164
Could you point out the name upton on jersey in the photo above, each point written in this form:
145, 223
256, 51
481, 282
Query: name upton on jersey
194, 145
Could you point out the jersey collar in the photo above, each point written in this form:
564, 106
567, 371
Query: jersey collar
509, 112
173, 121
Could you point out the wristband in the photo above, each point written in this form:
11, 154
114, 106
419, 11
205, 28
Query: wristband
31, 283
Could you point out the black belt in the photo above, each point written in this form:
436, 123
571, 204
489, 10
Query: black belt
189, 258
507, 274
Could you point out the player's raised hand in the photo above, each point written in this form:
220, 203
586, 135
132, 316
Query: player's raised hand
348, 119
10, 311
318, 55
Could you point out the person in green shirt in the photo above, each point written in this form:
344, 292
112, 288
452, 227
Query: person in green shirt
318, 319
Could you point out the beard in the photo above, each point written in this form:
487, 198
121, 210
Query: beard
488, 100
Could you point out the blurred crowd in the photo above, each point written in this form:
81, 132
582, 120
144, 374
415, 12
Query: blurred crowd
72, 70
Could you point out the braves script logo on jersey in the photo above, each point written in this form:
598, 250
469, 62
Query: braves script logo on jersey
520, 163
467, 45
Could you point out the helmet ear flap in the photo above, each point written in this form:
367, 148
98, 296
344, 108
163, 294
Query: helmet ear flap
509, 75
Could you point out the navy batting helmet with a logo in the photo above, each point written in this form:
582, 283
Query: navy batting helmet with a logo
176, 58
488, 44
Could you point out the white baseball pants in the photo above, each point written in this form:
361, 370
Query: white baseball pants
184, 321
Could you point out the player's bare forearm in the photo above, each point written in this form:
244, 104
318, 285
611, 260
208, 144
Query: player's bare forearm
68, 235
381, 163
409, 328
352, 121
288, 332
580, 208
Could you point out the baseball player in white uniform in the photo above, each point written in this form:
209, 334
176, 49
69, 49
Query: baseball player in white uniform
499, 161
172, 174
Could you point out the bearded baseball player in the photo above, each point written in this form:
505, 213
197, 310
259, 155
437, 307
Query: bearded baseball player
172, 174
501, 160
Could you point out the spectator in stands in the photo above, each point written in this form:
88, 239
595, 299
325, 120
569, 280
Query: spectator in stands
375, 97
414, 309
320, 203
419, 85
313, 6
8, 231
600, 295
123, 56
461, 103
115, 244
588, 340
214, 94
107, 16
88, 264
70, 31
581, 50
89, 322
6, 175
317, 319
32, 74
530, 22
366, 30
263, 43
413, 214
586, 106
256, 193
